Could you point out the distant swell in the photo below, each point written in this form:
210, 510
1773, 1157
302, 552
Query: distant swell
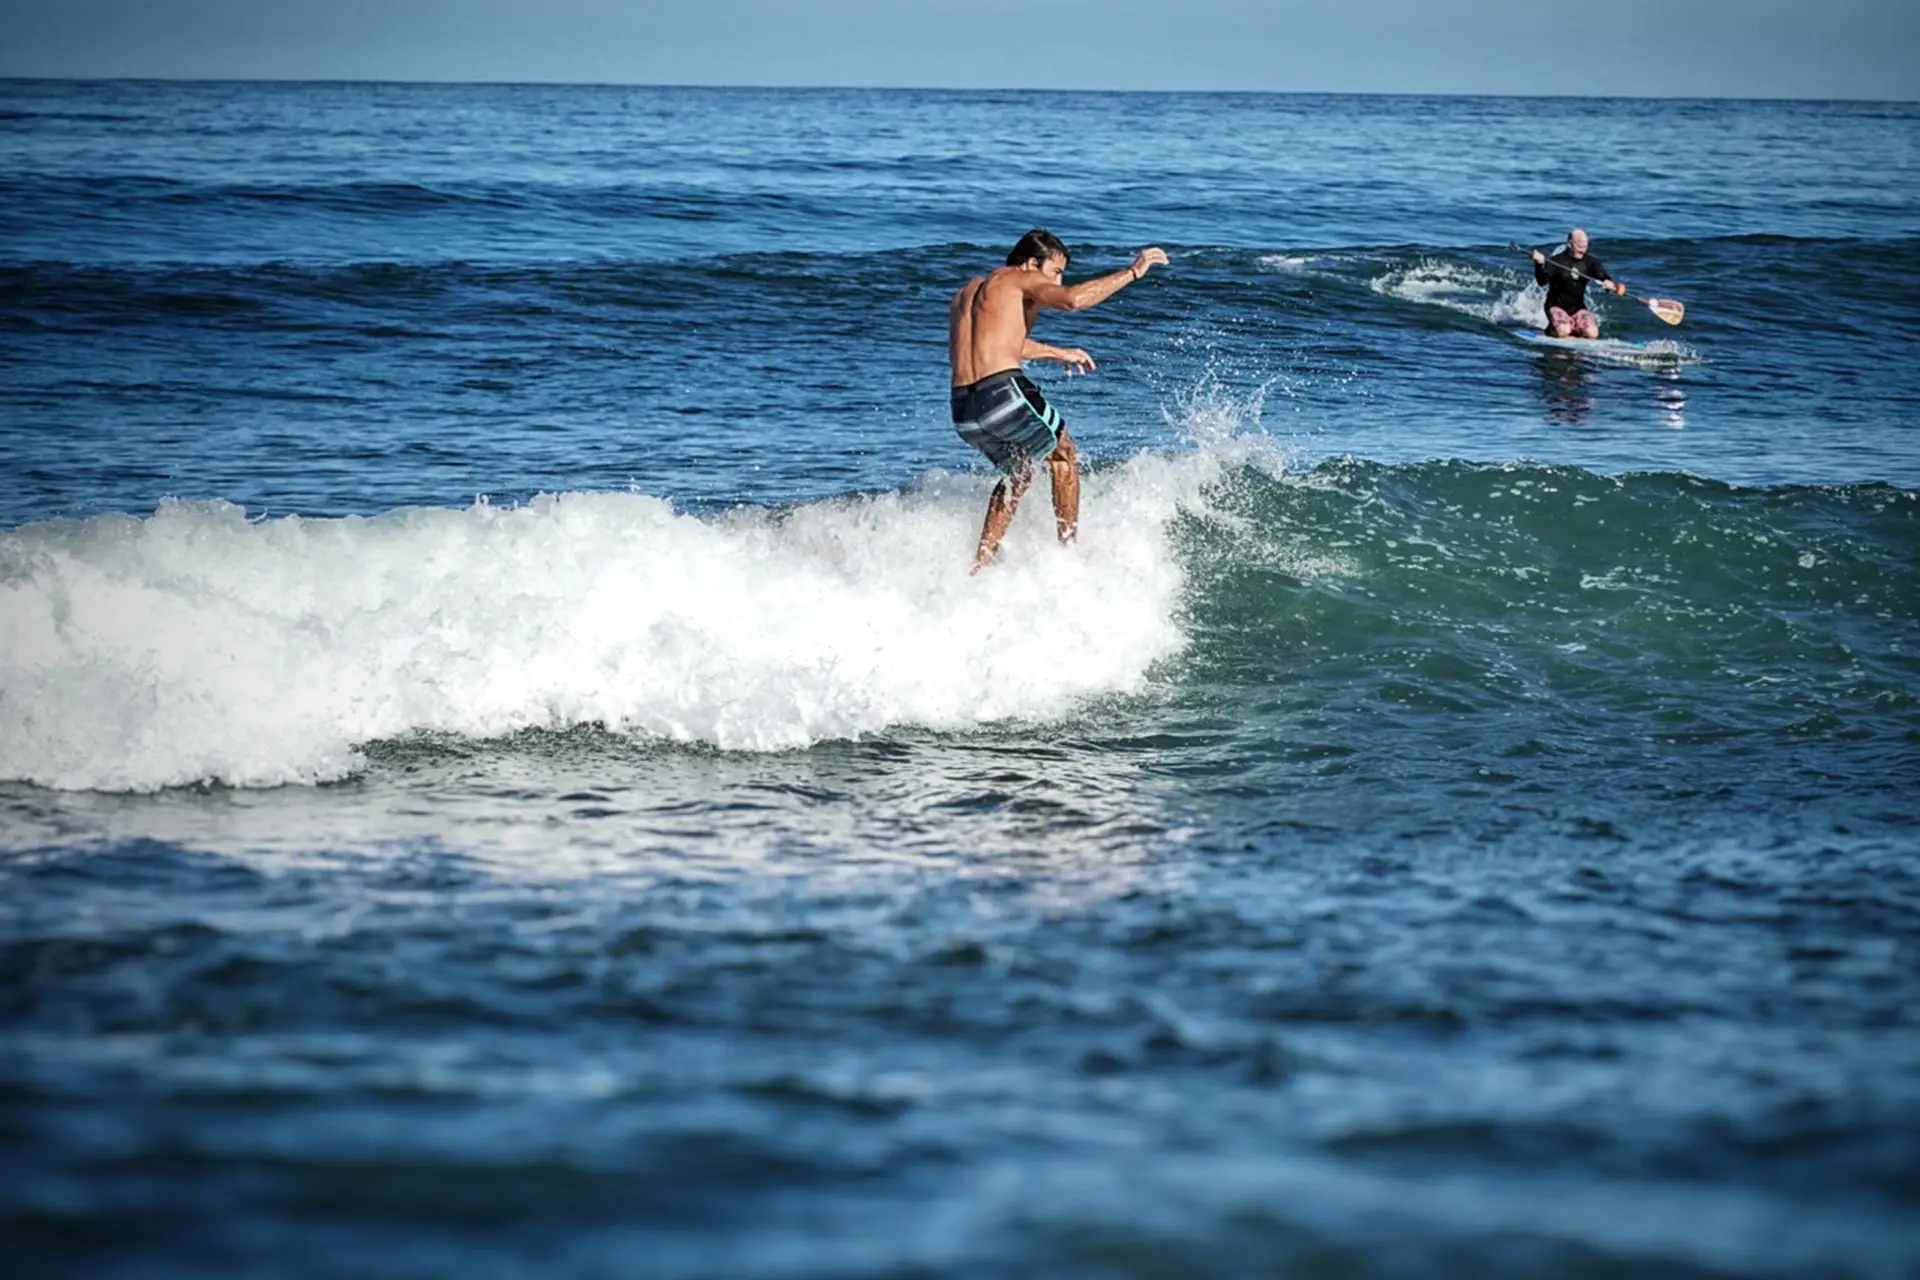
1843, 284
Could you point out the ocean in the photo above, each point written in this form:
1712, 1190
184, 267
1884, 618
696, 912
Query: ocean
504, 770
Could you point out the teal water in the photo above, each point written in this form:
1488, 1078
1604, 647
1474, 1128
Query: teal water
503, 769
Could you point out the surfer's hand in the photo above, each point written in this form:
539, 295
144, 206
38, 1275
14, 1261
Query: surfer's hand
1075, 359
1155, 257
1619, 288
1540, 257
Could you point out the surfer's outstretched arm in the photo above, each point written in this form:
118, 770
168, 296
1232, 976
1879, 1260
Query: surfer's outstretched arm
1064, 297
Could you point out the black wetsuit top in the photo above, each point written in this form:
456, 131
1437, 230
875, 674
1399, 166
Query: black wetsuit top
1566, 290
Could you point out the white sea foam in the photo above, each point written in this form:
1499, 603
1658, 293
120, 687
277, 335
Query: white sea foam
194, 644
1285, 261
1486, 295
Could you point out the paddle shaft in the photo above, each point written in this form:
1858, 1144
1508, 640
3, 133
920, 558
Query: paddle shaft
1561, 266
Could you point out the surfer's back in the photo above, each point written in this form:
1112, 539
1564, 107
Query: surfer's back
987, 324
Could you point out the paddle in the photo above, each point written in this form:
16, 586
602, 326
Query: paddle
1666, 308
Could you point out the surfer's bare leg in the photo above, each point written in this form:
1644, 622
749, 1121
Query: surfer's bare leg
1000, 508
1064, 464
1581, 324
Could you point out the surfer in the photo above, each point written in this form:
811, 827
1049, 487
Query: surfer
995, 408
1566, 275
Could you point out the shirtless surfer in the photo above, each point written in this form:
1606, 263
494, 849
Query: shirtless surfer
995, 408
1566, 275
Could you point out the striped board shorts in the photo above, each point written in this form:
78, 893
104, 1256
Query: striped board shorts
1005, 417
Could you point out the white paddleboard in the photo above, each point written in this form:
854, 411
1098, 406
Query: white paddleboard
1615, 347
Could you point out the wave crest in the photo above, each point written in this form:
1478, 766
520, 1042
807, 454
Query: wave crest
196, 645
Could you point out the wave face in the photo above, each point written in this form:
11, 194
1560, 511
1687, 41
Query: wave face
1541, 625
198, 645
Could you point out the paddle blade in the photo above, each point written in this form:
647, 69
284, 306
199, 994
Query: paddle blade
1667, 309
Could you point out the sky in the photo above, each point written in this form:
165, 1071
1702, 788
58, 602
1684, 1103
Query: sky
1653, 48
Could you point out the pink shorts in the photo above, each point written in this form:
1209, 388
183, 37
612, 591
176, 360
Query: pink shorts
1557, 317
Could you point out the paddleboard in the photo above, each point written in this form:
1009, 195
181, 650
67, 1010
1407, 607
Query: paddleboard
1618, 347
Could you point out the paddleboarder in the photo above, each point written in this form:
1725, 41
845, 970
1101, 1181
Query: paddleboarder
996, 409
1566, 275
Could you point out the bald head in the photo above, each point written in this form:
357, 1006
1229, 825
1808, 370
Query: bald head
1577, 241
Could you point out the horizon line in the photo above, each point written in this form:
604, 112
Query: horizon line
454, 82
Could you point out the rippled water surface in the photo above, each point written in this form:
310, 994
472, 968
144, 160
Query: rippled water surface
503, 769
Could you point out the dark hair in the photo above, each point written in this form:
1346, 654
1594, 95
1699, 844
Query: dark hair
1037, 243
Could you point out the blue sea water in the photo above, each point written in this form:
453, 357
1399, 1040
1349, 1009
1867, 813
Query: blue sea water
503, 769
